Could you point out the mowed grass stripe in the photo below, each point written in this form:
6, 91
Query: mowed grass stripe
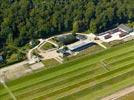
49, 87
111, 82
77, 80
60, 77
41, 86
98, 84
67, 76
70, 68
18, 92
122, 61
113, 88
85, 76
90, 59
120, 56
109, 65
24, 78
58, 80
127, 44
67, 92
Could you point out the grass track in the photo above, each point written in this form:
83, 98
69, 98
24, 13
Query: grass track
110, 80
85, 77
80, 73
64, 79
76, 86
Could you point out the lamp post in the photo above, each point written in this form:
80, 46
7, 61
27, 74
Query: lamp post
6, 87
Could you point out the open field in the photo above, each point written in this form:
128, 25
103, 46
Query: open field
50, 63
87, 78
47, 46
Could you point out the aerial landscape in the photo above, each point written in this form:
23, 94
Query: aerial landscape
67, 50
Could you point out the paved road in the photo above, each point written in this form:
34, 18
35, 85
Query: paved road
119, 94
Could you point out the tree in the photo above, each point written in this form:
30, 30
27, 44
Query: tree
90, 11
93, 26
27, 19
10, 39
75, 27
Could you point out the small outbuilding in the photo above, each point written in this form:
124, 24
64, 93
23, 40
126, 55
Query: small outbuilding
107, 36
123, 34
64, 52
35, 59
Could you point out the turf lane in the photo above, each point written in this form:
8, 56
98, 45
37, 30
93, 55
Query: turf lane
41, 77
81, 80
41, 86
87, 69
127, 49
107, 81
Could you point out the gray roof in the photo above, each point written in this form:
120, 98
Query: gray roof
79, 45
125, 28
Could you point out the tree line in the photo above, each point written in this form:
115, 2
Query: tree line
23, 20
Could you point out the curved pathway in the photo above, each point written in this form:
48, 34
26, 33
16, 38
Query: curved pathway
42, 42
29, 54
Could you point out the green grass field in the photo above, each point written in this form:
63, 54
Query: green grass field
87, 78
47, 46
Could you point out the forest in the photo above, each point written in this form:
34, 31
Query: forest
23, 20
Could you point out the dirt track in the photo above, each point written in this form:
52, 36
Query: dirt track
119, 94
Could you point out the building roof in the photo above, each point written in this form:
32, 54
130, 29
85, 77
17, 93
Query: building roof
122, 34
78, 45
107, 36
62, 51
125, 28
